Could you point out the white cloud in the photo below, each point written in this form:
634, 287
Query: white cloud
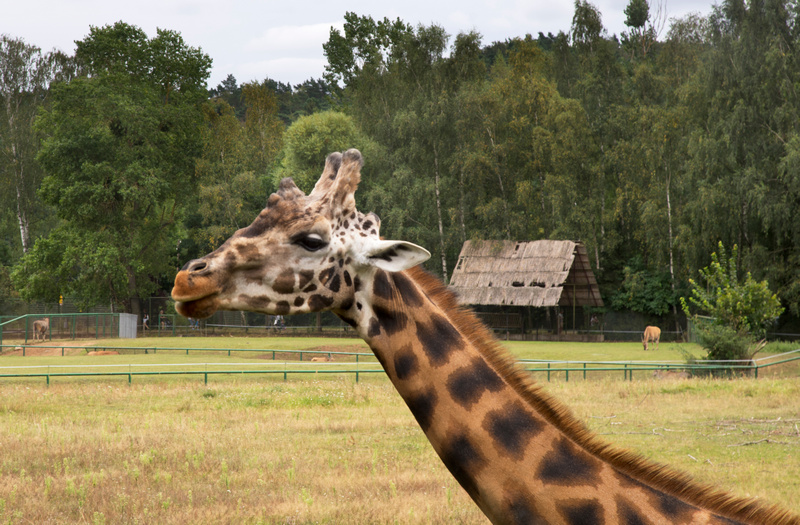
299, 39
289, 70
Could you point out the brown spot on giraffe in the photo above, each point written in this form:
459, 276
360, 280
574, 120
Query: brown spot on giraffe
518, 453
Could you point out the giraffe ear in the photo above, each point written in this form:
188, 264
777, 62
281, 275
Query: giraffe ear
395, 256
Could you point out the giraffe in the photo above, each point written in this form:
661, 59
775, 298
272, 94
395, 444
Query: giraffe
519, 453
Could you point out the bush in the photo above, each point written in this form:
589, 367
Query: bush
724, 343
740, 310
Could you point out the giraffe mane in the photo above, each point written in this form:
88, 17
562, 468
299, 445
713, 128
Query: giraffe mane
646, 471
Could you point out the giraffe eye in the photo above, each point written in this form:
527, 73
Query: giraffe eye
310, 241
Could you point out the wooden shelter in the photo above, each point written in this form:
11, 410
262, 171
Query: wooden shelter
526, 274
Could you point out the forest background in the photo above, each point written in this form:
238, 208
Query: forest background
118, 164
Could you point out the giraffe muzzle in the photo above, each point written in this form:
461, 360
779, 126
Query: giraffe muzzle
195, 292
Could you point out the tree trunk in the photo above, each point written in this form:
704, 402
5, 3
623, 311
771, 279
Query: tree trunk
22, 219
134, 304
502, 188
439, 213
671, 254
461, 205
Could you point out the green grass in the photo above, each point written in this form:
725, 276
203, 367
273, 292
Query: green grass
565, 351
203, 358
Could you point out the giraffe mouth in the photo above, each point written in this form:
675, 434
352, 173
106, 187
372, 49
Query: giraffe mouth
198, 308
195, 296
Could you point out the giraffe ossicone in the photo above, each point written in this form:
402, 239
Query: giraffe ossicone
519, 454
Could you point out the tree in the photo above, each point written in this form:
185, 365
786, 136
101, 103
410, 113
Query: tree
742, 150
25, 77
363, 48
645, 26
740, 310
643, 291
119, 148
233, 173
311, 139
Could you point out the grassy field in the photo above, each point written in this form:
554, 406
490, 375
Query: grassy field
324, 449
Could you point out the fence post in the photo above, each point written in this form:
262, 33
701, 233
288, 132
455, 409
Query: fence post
548, 372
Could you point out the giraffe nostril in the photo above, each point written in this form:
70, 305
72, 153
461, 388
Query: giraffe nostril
194, 266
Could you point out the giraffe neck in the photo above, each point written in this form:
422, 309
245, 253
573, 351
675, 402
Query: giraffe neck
518, 453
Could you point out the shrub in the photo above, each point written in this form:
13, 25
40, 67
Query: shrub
724, 343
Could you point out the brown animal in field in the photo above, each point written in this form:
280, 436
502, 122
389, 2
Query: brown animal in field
324, 359
40, 328
651, 333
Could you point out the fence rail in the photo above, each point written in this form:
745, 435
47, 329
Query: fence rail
534, 366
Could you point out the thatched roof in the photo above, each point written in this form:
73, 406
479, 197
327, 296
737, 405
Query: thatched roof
532, 273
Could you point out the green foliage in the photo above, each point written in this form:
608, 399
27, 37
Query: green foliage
361, 48
725, 343
746, 307
740, 312
643, 291
637, 13
310, 139
293, 101
25, 76
233, 172
119, 148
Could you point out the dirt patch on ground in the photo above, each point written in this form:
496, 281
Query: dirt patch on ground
51, 348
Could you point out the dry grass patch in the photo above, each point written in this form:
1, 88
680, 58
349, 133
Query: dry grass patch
250, 452
741, 434
256, 450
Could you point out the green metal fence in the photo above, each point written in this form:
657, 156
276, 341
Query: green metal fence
61, 326
704, 368
365, 363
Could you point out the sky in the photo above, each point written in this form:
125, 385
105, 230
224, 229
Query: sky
283, 39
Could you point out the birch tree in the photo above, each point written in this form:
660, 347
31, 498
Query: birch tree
25, 77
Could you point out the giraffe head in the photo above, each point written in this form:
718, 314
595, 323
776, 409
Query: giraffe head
303, 253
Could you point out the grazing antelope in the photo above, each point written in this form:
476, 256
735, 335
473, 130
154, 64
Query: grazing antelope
40, 328
651, 333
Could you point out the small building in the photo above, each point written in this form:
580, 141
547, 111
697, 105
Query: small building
540, 289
